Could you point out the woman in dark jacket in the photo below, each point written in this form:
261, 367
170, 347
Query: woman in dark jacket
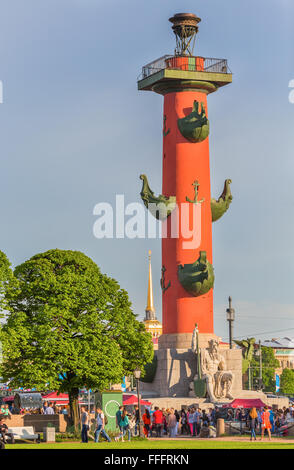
252, 417
185, 429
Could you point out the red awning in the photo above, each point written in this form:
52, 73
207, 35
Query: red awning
59, 398
133, 400
10, 398
54, 396
245, 403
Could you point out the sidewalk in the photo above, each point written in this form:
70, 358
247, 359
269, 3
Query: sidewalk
224, 438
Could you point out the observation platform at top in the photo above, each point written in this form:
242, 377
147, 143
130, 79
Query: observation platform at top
168, 71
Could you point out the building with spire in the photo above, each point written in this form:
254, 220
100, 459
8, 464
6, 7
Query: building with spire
151, 323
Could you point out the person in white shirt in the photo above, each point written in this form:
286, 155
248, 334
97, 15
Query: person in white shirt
288, 416
100, 420
49, 410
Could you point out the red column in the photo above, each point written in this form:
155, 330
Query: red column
183, 163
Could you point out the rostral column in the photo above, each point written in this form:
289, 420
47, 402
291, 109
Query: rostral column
187, 278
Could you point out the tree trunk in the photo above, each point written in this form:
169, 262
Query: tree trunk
73, 396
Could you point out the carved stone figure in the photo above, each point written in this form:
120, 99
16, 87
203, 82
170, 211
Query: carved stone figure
195, 126
194, 344
219, 381
247, 346
220, 206
160, 207
197, 278
198, 386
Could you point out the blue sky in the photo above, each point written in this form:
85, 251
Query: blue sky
75, 132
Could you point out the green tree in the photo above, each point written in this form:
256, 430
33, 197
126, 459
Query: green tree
6, 277
69, 326
287, 382
269, 365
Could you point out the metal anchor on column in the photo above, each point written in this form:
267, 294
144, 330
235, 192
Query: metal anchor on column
165, 131
162, 280
195, 200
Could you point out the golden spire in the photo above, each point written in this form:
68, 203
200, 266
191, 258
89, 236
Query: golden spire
150, 304
150, 310
152, 325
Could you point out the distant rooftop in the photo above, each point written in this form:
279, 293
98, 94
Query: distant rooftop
282, 343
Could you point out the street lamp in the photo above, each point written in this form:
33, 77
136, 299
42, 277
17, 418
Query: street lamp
230, 318
137, 375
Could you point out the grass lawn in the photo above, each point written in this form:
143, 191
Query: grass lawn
166, 444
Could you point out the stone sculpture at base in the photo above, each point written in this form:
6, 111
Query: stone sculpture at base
198, 386
219, 380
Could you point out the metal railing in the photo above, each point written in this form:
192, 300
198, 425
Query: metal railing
154, 67
216, 65
212, 65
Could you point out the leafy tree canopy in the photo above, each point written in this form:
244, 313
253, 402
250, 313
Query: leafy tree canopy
269, 364
287, 382
69, 326
6, 276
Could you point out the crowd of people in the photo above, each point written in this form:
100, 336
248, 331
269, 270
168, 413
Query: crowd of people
201, 423
169, 422
156, 423
127, 423
259, 420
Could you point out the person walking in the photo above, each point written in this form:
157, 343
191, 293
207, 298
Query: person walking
85, 424
259, 419
158, 420
124, 425
252, 417
5, 410
288, 416
214, 411
278, 424
177, 415
132, 424
146, 418
49, 410
184, 423
210, 417
191, 420
204, 418
137, 419
172, 423
242, 420
100, 426
266, 424
164, 421
272, 421
118, 416
197, 423
4, 432
230, 416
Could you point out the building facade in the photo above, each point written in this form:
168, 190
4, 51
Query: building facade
283, 350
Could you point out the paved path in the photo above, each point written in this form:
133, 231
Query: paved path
225, 438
